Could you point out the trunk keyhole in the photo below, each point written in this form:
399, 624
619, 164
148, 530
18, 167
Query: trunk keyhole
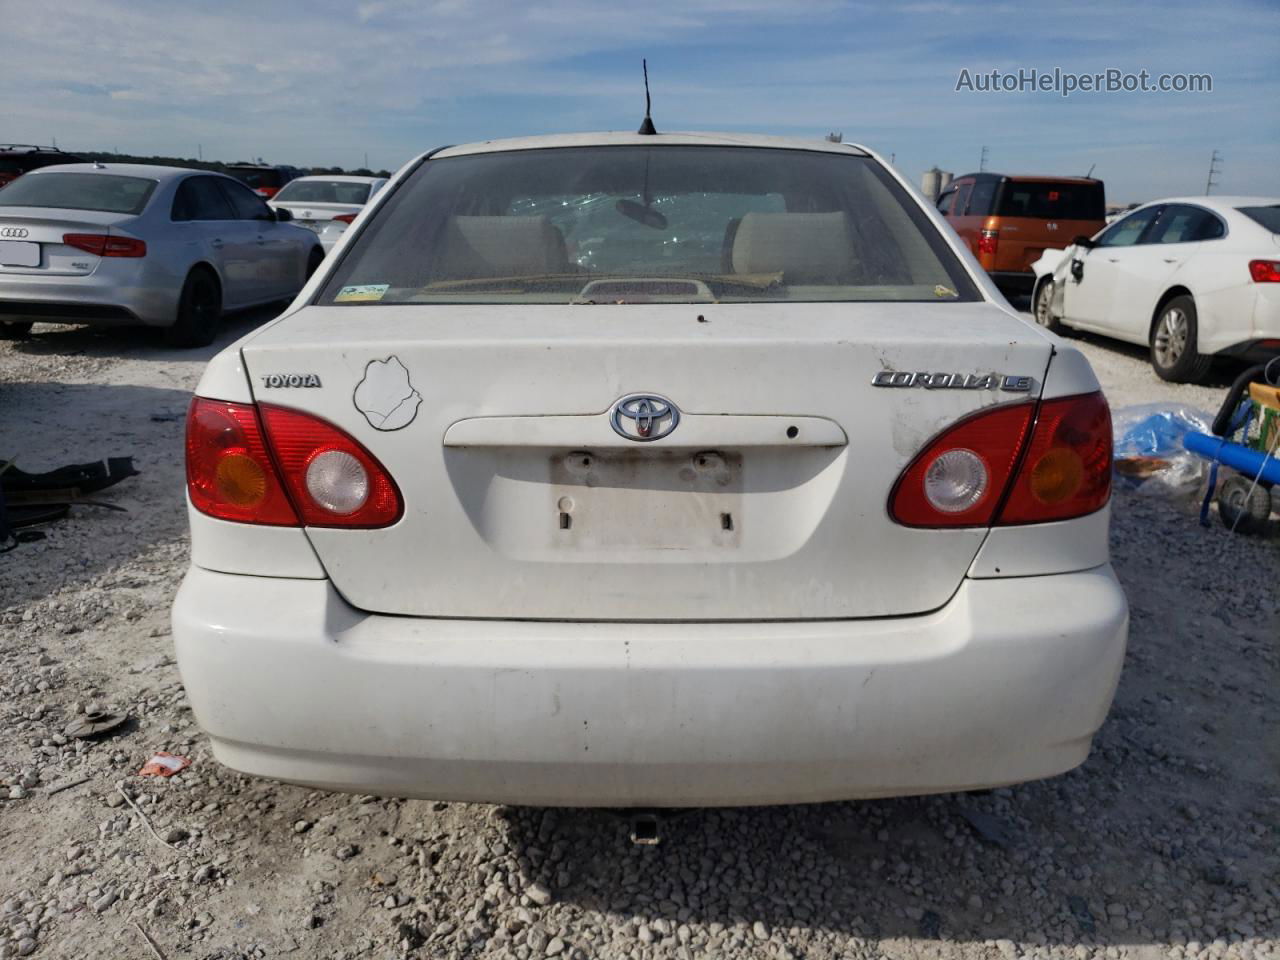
793, 432
566, 521
726, 521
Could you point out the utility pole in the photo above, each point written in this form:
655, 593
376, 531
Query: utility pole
982, 164
366, 159
1215, 163
200, 151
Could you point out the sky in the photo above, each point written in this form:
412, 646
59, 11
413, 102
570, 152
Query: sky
323, 83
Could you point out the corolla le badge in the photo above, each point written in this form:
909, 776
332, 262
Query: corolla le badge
1010, 383
643, 417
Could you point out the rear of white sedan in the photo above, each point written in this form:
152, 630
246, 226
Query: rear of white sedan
635, 470
317, 202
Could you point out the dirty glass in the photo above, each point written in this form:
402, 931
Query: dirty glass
103, 192
639, 224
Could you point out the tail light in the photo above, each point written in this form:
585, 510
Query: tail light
1011, 465
268, 465
229, 471
1066, 471
102, 245
333, 480
1264, 271
988, 241
345, 217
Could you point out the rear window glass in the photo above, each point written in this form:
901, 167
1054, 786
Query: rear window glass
255, 177
103, 192
648, 224
323, 191
1045, 200
1268, 217
984, 192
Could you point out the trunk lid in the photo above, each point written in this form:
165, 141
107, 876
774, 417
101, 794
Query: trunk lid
314, 216
31, 240
767, 500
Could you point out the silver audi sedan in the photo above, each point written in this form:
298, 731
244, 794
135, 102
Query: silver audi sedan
117, 244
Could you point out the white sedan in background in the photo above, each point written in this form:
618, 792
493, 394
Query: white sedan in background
327, 204
117, 244
1192, 278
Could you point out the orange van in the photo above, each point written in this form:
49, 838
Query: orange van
1009, 221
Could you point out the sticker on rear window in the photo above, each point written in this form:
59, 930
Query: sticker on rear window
363, 293
943, 291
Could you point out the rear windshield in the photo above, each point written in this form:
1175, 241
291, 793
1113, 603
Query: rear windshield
324, 191
1268, 217
255, 177
104, 192
648, 224
1046, 200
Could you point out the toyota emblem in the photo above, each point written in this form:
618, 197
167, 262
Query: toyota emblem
643, 417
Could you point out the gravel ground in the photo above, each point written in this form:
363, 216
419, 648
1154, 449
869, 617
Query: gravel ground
1163, 844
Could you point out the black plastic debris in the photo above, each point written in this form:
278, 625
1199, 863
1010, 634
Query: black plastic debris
989, 828
1079, 908
27, 499
69, 482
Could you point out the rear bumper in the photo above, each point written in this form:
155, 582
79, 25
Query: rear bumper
1008, 682
111, 295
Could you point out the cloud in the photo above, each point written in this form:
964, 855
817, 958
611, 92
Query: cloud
324, 81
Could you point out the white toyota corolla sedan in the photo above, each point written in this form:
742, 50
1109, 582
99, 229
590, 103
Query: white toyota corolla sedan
1192, 278
118, 244
667, 470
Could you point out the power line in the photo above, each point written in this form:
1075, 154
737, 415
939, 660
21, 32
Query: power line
1215, 168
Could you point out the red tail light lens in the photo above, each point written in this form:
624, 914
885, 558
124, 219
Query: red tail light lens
959, 479
345, 217
331, 478
102, 245
229, 471
962, 478
278, 467
988, 241
1067, 468
1264, 271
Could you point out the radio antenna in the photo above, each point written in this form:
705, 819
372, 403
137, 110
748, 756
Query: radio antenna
646, 127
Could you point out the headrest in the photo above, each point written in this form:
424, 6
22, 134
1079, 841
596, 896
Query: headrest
805, 247
475, 247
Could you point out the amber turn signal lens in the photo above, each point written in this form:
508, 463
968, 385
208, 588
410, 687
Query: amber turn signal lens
240, 480
1057, 476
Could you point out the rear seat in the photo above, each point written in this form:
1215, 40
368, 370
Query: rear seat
806, 248
477, 247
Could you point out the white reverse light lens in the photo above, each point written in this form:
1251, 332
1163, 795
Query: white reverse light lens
338, 482
955, 481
